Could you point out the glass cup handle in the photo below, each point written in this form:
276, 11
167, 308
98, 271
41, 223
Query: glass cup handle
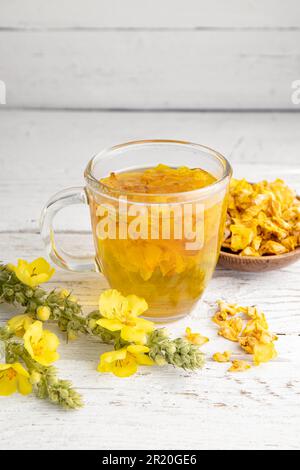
59, 256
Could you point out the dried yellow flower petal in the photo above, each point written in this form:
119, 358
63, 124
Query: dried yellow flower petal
220, 317
264, 353
222, 357
195, 338
239, 366
272, 248
262, 218
248, 343
241, 237
225, 307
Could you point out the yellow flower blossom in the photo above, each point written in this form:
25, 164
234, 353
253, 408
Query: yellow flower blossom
41, 344
13, 378
239, 366
34, 273
195, 338
222, 357
121, 314
124, 362
19, 324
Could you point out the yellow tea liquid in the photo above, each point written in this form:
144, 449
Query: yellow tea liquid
170, 276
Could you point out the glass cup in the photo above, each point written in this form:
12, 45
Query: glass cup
162, 247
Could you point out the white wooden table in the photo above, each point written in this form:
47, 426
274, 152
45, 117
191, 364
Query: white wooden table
42, 152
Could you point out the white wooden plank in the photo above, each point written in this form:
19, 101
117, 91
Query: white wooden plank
163, 408
276, 293
44, 152
149, 14
134, 69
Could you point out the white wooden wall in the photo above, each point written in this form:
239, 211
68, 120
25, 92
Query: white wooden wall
150, 54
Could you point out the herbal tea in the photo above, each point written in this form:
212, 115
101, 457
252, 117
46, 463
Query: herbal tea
156, 236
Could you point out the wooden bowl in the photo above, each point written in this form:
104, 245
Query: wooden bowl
257, 264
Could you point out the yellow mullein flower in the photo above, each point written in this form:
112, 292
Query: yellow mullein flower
32, 274
124, 362
19, 324
41, 344
121, 314
195, 338
13, 378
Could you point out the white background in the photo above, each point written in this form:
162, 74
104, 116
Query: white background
82, 75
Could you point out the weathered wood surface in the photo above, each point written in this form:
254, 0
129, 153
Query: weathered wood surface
166, 55
153, 14
164, 70
42, 152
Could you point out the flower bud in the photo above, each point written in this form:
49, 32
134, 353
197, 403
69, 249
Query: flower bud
35, 377
72, 335
52, 380
64, 393
43, 313
92, 323
160, 360
64, 293
8, 292
20, 298
29, 293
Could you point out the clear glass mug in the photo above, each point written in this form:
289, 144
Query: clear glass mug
169, 268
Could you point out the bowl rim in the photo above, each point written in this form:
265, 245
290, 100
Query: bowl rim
260, 258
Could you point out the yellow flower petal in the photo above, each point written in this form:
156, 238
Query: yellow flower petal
7, 386
133, 335
137, 305
34, 273
19, 324
195, 338
50, 340
41, 344
112, 303
14, 377
222, 357
144, 360
20, 369
24, 386
125, 369
264, 353
143, 324
239, 366
137, 349
110, 324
